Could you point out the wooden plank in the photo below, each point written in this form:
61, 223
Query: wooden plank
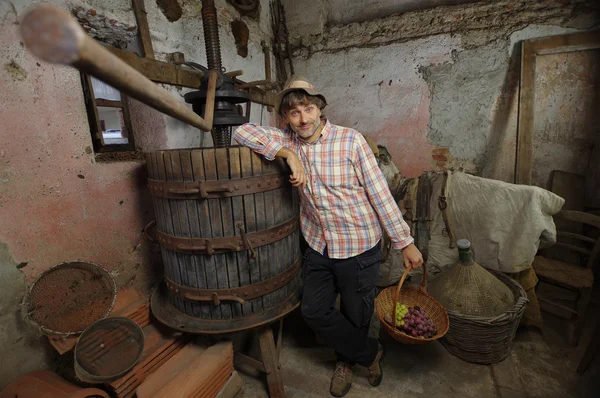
159, 212
253, 266
179, 219
197, 278
296, 242
187, 261
168, 212
237, 203
261, 223
280, 258
288, 247
524, 161
566, 43
216, 220
273, 255
144, 30
208, 262
222, 158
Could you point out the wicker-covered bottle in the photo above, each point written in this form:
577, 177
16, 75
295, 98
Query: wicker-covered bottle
469, 289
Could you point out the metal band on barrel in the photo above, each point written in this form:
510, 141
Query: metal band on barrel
214, 189
227, 244
238, 294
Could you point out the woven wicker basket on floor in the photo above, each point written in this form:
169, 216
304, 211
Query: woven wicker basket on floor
386, 301
486, 340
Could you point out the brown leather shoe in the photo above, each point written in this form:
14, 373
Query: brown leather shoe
341, 381
375, 370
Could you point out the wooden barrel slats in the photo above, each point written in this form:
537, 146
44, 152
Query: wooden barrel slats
194, 217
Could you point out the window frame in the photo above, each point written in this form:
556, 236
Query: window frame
92, 103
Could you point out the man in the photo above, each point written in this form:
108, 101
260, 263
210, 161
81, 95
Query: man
343, 198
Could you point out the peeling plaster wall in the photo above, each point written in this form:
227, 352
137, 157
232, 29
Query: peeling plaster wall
342, 12
439, 87
56, 202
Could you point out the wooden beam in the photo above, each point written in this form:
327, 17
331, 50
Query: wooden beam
524, 161
158, 71
142, 20
262, 97
163, 72
567, 43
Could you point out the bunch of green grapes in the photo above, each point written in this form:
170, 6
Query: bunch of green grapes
401, 311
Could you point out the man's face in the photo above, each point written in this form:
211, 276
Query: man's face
305, 121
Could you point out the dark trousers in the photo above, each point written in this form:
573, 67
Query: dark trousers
354, 279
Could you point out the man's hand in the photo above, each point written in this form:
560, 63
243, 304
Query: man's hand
412, 257
299, 177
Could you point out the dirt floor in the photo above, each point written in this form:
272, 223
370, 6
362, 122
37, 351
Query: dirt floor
540, 365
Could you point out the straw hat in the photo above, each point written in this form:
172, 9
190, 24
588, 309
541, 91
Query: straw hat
297, 83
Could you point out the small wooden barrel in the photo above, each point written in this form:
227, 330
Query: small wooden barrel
227, 222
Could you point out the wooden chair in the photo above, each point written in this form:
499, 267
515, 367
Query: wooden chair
590, 351
575, 277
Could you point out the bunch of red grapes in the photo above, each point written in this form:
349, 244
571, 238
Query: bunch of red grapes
416, 323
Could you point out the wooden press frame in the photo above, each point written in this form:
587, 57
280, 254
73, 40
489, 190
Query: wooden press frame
167, 73
530, 50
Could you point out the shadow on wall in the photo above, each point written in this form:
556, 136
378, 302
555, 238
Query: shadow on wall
151, 269
501, 149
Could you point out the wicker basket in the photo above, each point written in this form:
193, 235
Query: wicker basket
486, 340
386, 302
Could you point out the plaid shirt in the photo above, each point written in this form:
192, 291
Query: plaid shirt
346, 193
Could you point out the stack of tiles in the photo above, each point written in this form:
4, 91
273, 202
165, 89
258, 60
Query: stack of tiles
196, 371
160, 345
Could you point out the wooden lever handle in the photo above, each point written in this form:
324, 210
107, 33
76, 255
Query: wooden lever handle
55, 36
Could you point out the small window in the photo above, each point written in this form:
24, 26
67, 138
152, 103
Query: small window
108, 115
